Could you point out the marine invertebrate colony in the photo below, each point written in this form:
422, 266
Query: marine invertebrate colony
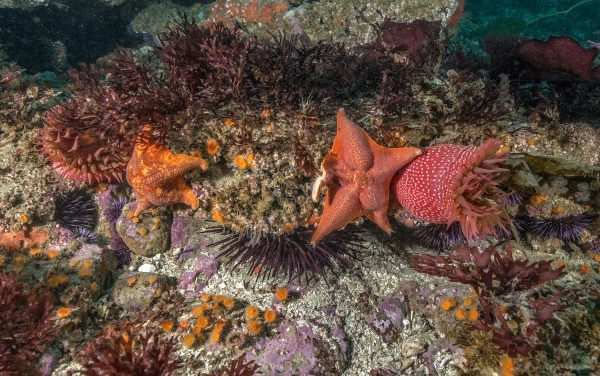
156, 174
357, 173
450, 183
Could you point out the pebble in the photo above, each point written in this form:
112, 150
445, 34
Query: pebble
147, 268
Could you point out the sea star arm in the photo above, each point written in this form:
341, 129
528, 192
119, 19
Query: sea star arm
178, 164
340, 208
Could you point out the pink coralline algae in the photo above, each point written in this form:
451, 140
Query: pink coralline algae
450, 183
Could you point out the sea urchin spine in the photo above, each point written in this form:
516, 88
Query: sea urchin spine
290, 254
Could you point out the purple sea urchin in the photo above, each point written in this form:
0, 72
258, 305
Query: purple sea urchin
112, 213
75, 210
439, 237
290, 254
567, 228
88, 235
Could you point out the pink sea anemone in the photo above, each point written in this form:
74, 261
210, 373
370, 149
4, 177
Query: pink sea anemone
449, 183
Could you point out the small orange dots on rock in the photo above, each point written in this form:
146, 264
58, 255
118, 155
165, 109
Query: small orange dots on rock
87, 263
202, 322
240, 162
270, 315
19, 260
584, 269
23, 218
252, 312
447, 304
558, 210
188, 340
229, 122
508, 367
473, 294
531, 142
52, 254
559, 263
156, 220
151, 279
167, 326
467, 302
461, 314
158, 292
72, 263
63, 312
135, 220
538, 199
206, 297
287, 227
596, 257
154, 211
281, 294
56, 280
94, 286
212, 147
265, 114
228, 303
184, 324
250, 160
35, 251
219, 298
143, 231
253, 327
196, 153
217, 216
131, 281
473, 314
270, 127
215, 335
207, 306
198, 311
129, 214
85, 272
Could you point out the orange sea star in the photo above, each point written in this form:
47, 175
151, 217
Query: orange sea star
357, 173
156, 175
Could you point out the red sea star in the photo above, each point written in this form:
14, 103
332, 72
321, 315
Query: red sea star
357, 173
156, 175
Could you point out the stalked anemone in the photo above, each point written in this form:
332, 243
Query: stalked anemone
449, 183
76, 212
290, 254
567, 228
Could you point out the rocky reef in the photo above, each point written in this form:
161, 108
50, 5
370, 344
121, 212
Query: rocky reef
158, 210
